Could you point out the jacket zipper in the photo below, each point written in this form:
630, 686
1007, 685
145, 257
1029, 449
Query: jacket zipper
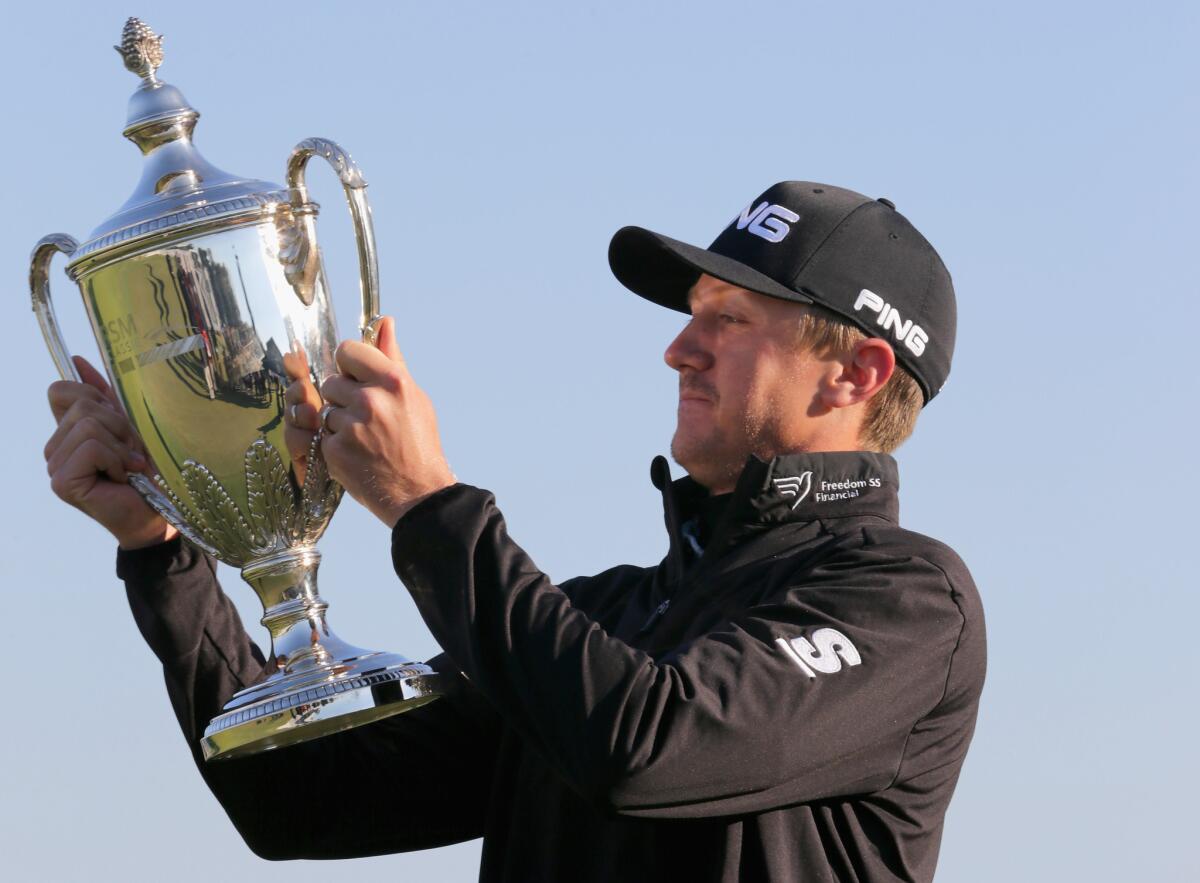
658, 611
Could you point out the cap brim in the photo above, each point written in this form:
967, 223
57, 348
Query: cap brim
663, 270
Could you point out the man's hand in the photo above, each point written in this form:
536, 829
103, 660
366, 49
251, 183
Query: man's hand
381, 439
90, 455
302, 416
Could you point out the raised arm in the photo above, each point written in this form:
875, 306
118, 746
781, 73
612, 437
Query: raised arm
730, 722
425, 774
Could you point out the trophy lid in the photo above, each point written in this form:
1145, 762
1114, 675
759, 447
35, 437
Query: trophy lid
179, 188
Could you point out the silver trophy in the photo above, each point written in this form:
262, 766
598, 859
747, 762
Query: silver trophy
195, 289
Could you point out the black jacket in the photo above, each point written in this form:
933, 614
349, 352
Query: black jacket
791, 702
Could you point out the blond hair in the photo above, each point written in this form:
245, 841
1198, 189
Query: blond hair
892, 412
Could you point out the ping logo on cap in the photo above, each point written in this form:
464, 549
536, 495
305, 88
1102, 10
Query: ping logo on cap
771, 222
912, 335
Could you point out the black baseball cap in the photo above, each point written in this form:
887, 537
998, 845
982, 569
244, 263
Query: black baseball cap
815, 244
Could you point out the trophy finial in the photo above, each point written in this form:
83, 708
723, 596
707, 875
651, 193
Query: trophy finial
141, 48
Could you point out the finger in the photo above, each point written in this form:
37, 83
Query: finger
106, 422
335, 418
85, 462
295, 364
341, 391
387, 340
92, 377
303, 416
62, 394
88, 435
115, 422
363, 362
82, 432
301, 391
298, 442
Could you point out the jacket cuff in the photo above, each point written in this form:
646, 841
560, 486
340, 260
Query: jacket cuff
433, 529
172, 591
434, 500
172, 578
152, 562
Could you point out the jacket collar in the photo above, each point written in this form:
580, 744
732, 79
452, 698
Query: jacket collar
791, 488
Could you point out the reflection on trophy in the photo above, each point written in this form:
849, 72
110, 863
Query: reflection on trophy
195, 289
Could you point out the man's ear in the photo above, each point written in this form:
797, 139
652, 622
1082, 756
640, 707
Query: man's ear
864, 370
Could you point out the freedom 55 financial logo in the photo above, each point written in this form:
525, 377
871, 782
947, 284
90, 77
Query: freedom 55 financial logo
796, 486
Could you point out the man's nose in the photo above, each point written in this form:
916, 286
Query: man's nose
689, 349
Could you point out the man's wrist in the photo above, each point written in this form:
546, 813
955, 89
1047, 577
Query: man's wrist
158, 535
393, 516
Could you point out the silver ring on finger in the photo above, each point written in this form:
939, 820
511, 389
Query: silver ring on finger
325, 412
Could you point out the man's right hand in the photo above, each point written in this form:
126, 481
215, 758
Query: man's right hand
90, 455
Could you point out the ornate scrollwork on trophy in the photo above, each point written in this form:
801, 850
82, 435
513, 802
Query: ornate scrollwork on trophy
276, 518
343, 164
321, 493
170, 507
297, 252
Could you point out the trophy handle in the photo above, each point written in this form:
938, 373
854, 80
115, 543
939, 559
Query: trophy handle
355, 186
39, 288
43, 306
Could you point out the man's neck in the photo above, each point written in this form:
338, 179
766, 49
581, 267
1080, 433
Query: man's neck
727, 483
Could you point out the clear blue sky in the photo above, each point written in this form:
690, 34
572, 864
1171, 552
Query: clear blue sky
1048, 150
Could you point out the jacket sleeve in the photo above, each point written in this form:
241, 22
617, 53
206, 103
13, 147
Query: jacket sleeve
731, 722
411, 781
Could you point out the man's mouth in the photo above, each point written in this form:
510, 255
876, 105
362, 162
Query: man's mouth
697, 392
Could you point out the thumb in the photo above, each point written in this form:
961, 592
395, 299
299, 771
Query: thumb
92, 377
386, 341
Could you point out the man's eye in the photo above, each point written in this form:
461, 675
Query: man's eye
731, 319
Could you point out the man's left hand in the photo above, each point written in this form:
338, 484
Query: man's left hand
381, 440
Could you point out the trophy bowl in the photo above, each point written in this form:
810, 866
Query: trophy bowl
195, 289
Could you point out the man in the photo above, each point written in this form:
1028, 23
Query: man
789, 695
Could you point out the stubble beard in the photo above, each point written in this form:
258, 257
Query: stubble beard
716, 459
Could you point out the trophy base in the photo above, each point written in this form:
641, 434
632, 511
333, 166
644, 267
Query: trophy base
287, 709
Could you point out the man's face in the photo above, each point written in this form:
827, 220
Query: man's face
745, 386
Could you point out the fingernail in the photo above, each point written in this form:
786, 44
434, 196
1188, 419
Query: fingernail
136, 459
